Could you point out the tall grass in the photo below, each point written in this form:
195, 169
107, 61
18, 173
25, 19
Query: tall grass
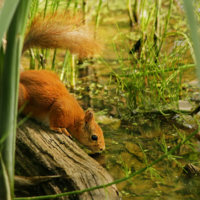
152, 78
130, 12
9, 92
97, 17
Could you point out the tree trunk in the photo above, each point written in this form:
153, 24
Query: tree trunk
42, 152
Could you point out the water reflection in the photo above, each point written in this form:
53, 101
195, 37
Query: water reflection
123, 155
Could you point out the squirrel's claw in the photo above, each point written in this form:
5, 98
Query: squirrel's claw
64, 130
61, 130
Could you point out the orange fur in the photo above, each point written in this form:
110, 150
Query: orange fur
50, 103
62, 31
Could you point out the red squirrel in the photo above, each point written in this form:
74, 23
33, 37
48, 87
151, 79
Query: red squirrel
45, 96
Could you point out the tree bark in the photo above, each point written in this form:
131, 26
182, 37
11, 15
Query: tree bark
42, 152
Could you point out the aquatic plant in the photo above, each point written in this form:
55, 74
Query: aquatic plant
153, 80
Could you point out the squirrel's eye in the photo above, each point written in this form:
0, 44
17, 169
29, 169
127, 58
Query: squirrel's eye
94, 137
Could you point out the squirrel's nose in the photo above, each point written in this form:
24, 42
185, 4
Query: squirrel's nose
102, 148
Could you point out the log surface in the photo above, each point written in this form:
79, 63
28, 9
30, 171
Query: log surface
42, 152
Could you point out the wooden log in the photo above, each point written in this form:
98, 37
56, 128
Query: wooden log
42, 152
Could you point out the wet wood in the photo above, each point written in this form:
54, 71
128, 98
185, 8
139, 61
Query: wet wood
185, 107
25, 182
191, 170
42, 152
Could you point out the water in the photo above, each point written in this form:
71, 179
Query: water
123, 155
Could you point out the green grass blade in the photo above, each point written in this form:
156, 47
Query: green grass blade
9, 95
6, 15
4, 173
193, 32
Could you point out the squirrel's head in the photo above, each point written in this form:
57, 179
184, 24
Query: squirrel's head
90, 134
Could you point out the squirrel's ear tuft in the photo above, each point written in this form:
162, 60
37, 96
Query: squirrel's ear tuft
89, 115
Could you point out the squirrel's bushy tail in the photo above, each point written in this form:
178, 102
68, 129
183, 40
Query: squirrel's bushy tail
62, 31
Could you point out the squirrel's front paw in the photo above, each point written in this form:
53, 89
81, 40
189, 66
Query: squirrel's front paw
64, 130
61, 130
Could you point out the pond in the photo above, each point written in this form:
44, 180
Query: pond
123, 154
97, 90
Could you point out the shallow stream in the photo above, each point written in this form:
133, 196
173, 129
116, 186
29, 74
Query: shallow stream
123, 154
